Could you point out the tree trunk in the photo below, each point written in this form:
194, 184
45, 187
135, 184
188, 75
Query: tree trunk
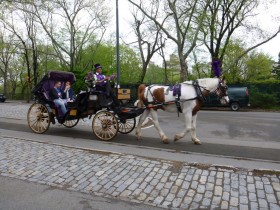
184, 69
28, 92
143, 73
5, 82
165, 72
23, 91
35, 63
13, 91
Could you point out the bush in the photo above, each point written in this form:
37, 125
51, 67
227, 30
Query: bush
263, 100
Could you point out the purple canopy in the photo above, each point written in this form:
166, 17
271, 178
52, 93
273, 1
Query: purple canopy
47, 82
62, 76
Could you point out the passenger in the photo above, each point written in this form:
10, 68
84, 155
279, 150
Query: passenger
69, 94
56, 95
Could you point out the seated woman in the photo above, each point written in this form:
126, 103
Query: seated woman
68, 94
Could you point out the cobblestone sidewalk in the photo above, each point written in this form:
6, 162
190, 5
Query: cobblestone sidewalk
154, 182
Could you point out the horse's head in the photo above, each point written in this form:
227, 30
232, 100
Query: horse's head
90, 80
221, 91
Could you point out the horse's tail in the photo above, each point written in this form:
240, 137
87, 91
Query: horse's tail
141, 97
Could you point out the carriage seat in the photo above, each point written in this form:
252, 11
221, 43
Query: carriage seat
46, 94
47, 86
80, 102
49, 101
103, 97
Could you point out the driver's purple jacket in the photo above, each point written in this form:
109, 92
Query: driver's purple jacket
100, 77
97, 77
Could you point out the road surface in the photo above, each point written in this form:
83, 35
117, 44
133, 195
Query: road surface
237, 135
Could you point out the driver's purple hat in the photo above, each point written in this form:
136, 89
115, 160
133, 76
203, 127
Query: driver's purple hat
97, 66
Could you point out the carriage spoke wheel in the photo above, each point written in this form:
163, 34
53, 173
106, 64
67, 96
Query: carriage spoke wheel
71, 123
38, 118
126, 126
105, 125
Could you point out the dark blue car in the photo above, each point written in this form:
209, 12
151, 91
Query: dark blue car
238, 96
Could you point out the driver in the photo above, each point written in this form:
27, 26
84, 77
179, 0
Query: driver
102, 83
101, 79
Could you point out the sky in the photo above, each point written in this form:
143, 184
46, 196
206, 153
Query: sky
264, 19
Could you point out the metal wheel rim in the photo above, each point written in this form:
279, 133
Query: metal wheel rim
38, 118
71, 123
128, 126
105, 125
234, 107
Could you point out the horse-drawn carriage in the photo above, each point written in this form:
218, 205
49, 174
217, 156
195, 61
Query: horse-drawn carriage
108, 119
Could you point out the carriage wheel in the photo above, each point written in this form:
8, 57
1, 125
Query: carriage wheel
126, 126
71, 123
38, 118
105, 125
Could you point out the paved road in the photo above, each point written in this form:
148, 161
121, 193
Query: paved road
73, 162
241, 135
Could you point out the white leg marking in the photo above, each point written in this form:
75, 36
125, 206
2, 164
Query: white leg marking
141, 120
193, 131
187, 112
156, 123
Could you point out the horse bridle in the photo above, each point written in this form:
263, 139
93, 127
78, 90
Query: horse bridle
221, 90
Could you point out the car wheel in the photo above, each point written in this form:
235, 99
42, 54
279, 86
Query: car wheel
234, 106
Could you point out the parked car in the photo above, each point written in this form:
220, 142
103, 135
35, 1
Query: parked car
238, 96
2, 98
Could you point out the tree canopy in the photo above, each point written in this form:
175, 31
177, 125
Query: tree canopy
172, 41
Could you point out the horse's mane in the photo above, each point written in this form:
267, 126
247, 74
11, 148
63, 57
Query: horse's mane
210, 83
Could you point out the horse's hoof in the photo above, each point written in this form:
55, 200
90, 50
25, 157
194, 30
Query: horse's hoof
197, 142
165, 141
176, 138
138, 138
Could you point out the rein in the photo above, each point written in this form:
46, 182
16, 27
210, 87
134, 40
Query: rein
198, 91
149, 91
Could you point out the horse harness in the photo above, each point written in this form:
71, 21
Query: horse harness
177, 93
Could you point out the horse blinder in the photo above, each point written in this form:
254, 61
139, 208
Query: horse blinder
221, 91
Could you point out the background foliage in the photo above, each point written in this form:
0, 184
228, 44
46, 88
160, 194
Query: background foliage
37, 36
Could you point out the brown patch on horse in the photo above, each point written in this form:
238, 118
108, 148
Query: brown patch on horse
199, 103
158, 98
159, 95
141, 92
197, 107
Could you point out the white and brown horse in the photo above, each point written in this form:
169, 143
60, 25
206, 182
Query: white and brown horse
190, 102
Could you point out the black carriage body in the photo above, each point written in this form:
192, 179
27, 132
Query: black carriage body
105, 124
